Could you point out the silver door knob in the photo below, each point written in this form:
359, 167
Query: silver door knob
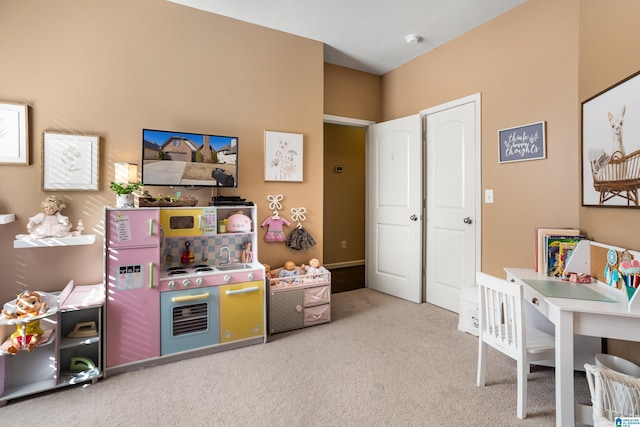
413, 218
467, 220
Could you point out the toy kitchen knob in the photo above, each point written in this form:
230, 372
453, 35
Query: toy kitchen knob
186, 283
199, 281
227, 278
251, 276
172, 284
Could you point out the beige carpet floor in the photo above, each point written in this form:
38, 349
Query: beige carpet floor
382, 361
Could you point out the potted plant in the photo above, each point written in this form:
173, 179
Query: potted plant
124, 193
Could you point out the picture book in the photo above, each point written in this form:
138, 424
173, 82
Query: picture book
558, 252
540, 250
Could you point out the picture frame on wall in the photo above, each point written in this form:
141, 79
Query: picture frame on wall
70, 162
14, 133
522, 143
611, 146
283, 156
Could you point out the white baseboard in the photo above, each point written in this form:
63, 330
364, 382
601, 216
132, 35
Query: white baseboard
345, 264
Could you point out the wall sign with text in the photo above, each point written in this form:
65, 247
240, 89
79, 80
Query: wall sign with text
522, 143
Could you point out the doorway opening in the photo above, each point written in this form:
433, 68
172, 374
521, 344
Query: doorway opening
344, 199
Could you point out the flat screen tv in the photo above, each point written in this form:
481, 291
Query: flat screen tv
189, 159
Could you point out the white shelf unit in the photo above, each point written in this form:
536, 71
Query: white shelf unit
45, 367
47, 242
7, 218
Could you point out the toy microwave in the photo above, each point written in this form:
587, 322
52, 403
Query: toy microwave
188, 221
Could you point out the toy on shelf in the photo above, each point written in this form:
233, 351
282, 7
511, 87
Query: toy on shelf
50, 222
247, 254
84, 330
26, 312
187, 256
239, 223
289, 273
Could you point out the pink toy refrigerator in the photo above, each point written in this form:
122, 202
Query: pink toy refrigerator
133, 298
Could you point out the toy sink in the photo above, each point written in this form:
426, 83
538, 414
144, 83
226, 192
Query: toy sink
227, 267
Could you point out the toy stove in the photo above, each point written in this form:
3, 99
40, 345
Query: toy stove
175, 278
190, 301
188, 308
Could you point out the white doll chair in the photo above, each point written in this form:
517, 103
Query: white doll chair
613, 395
502, 326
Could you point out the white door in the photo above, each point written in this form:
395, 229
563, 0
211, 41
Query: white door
453, 208
394, 234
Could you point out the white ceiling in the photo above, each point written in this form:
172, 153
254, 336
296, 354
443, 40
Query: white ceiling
366, 35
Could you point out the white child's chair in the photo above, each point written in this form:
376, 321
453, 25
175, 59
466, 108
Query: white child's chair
613, 395
502, 326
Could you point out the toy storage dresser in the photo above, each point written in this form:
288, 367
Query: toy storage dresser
299, 301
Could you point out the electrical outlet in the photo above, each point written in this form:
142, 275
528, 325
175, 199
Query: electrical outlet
344, 244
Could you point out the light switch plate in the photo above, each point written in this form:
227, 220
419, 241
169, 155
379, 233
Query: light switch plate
488, 196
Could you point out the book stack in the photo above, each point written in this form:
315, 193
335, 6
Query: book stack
554, 247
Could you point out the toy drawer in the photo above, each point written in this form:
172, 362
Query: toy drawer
317, 314
316, 296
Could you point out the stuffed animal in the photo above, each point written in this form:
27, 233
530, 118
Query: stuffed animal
27, 334
289, 272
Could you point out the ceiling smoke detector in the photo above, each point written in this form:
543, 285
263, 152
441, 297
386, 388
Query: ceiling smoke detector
413, 38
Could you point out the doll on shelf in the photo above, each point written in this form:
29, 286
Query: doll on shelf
27, 334
49, 222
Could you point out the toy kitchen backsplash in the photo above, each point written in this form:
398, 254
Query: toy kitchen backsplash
205, 236
209, 250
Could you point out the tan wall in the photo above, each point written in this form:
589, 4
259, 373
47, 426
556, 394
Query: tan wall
524, 65
357, 95
351, 93
344, 193
609, 33
526, 74
112, 68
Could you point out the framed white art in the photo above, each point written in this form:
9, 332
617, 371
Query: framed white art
283, 156
70, 162
14, 133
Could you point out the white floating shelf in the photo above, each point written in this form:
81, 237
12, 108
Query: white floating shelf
7, 218
85, 239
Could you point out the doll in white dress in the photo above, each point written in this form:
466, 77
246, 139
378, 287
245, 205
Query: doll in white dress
48, 223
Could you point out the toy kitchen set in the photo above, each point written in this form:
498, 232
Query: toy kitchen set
181, 282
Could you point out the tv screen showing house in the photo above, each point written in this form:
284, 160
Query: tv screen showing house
189, 159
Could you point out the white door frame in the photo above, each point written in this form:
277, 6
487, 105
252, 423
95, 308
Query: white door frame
423, 113
475, 98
